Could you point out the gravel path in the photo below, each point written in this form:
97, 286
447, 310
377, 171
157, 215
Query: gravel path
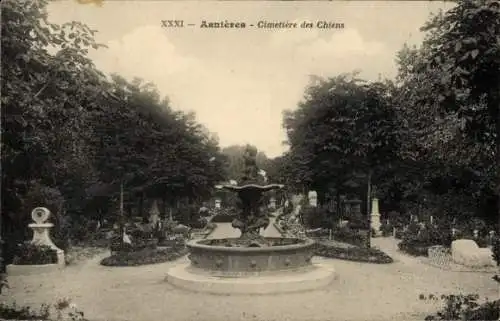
363, 291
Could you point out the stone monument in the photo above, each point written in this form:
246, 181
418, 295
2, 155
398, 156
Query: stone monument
467, 253
313, 198
375, 217
217, 203
272, 203
41, 230
154, 214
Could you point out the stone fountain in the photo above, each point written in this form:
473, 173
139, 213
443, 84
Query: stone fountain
251, 263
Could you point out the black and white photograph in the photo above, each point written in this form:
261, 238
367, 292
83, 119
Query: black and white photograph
247, 160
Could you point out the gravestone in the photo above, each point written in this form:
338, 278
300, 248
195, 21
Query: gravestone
154, 214
41, 228
352, 208
272, 203
313, 198
218, 203
375, 217
467, 253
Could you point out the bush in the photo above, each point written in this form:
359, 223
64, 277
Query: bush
358, 223
144, 257
14, 312
357, 254
496, 250
199, 224
31, 254
175, 242
413, 248
288, 209
417, 238
223, 218
350, 236
315, 217
464, 307
399, 234
137, 245
61, 310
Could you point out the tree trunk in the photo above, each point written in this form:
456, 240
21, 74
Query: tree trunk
368, 214
141, 207
122, 220
339, 206
164, 206
497, 125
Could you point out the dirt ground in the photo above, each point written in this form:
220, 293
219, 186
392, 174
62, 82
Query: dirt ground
362, 291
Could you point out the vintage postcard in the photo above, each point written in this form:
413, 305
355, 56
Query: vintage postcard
250, 160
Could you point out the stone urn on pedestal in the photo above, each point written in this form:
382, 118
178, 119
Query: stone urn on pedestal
41, 237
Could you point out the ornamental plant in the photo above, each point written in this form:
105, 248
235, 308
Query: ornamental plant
32, 254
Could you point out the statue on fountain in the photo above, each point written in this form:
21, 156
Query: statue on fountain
250, 193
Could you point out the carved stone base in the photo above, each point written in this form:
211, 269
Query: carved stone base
315, 277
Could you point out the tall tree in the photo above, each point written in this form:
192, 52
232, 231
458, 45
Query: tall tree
464, 45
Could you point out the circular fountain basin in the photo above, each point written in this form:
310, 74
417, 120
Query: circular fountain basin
233, 257
231, 266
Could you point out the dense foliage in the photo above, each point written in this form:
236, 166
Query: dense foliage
424, 143
29, 254
464, 307
144, 257
72, 135
356, 254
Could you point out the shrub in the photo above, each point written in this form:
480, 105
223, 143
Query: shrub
175, 242
14, 312
31, 254
199, 224
144, 257
413, 248
223, 218
358, 223
62, 310
288, 209
137, 245
386, 229
348, 235
417, 239
315, 217
210, 226
464, 307
496, 250
357, 254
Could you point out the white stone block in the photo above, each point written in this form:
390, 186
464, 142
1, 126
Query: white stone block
467, 253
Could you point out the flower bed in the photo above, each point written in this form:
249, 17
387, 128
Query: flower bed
351, 236
223, 218
414, 248
137, 245
144, 257
31, 254
354, 253
78, 254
